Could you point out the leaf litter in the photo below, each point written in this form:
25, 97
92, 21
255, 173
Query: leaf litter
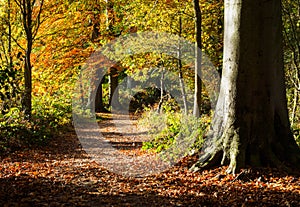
62, 174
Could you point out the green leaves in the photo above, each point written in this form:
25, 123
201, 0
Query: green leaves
9, 87
170, 128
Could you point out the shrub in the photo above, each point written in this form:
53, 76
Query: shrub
174, 132
296, 133
47, 117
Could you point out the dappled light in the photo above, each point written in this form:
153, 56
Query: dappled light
149, 103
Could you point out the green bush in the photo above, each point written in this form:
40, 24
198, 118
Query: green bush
17, 132
47, 117
54, 111
296, 133
171, 129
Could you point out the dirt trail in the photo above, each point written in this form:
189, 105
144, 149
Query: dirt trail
123, 132
62, 174
115, 143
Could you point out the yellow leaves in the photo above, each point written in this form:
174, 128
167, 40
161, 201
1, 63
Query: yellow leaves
65, 47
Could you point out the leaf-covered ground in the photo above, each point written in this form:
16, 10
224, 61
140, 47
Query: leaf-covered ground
61, 174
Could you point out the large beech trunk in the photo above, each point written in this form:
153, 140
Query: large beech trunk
250, 125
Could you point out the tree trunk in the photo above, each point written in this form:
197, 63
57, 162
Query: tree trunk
9, 22
295, 106
162, 91
27, 104
250, 125
27, 22
198, 57
183, 92
99, 107
109, 13
95, 98
31, 22
113, 88
181, 80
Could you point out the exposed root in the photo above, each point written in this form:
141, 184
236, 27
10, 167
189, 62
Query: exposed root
229, 150
226, 148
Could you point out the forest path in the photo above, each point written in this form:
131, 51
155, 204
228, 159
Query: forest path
62, 174
116, 144
123, 132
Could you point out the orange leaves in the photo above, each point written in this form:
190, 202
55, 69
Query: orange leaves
60, 174
64, 44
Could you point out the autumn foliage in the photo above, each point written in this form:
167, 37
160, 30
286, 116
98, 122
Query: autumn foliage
42, 162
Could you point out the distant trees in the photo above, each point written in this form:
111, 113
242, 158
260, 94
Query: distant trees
56, 37
22, 19
8, 71
27, 15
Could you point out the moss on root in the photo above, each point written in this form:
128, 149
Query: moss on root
230, 150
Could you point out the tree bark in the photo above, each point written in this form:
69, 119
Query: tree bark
95, 98
198, 60
162, 91
113, 88
27, 23
30, 26
9, 22
179, 65
27, 104
250, 125
99, 106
